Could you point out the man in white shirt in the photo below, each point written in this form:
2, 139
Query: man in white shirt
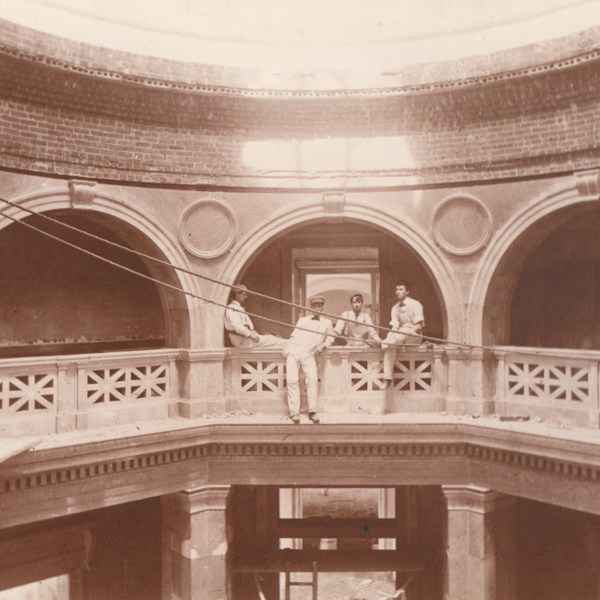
356, 325
240, 327
313, 334
407, 324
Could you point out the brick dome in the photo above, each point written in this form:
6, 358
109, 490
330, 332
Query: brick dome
77, 109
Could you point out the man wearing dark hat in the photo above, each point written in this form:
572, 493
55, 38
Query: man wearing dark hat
313, 334
240, 327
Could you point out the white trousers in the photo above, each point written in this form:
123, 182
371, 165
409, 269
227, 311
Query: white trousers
308, 364
395, 338
264, 341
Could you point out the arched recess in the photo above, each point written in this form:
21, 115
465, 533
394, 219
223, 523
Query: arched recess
114, 219
518, 268
293, 218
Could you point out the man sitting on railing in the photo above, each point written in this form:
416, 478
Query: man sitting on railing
313, 334
240, 327
356, 325
407, 324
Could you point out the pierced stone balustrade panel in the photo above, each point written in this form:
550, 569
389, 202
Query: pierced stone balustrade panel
30, 396
126, 384
126, 387
366, 375
28, 393
53, 394
350, 380
410, 374
532, 380
557, 385
262, 376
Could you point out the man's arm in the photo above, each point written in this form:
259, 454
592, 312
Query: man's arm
371, 331
239, 323
340, 325
328, 337
395, 319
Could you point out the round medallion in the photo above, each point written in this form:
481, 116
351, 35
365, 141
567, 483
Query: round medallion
207, 228
462, 224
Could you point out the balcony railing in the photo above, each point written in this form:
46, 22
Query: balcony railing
556, 385
66, 393
58, 394
350, 380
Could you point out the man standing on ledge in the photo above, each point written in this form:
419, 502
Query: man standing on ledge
407, 325
313, 334
240, 327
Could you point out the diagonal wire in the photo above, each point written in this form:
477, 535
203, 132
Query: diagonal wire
194, 274
168, 285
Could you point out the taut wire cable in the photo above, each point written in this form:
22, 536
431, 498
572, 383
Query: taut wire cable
200, 276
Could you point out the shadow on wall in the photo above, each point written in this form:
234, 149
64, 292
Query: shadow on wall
57, 300
557, 298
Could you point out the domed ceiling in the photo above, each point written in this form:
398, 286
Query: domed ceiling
310, 43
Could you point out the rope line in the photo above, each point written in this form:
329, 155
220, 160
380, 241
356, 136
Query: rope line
200, 276
170, 286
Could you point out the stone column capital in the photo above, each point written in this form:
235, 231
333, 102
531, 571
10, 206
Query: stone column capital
476, 499
210, 497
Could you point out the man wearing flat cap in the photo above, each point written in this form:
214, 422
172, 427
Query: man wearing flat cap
240, 327
313, 334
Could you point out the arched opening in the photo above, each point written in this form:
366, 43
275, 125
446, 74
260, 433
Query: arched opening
557, 298
545, 290
59, 300
336, 260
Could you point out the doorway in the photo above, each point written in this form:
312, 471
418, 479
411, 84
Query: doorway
337, 274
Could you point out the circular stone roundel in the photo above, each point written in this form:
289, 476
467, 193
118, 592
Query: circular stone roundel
462, 224
207, 228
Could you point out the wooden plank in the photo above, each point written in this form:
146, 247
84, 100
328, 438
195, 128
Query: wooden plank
52, 566
324, 527
331, 561
28, 549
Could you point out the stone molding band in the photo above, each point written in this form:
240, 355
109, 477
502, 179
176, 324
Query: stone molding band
240, 451
410, 89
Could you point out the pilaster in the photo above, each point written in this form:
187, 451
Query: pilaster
481, 544
202, 381
194, 544
471, 381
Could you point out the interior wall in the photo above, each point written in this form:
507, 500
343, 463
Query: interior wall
120, 557
556, 301
57, 300
125, 561
558, 553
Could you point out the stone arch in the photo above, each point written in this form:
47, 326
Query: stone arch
361, 213
505, 257
181, 311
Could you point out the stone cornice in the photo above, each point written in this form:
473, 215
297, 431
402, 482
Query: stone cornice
63, 480
62, 464
428, 87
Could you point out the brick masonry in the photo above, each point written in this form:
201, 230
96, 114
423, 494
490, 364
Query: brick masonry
59, 117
